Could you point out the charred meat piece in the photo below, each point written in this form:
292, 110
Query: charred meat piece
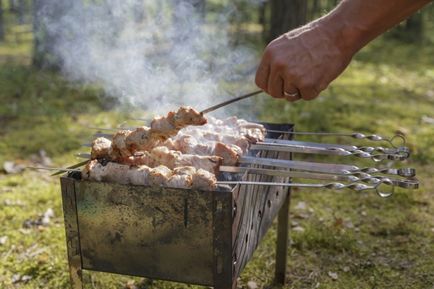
159, 176
162, 155
227, 153
180, 181
204, 180
101, 148
139, 175
141, 139
207, 163
112, 172
119, 145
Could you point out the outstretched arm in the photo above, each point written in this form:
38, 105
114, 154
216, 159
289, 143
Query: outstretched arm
303, 62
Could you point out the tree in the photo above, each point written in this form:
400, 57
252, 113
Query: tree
21, 11
12, 5
46, 14
285, 15
2, 28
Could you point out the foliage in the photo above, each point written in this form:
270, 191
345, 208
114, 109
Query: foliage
368, 241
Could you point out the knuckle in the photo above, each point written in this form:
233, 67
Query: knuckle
306, 83
280, 64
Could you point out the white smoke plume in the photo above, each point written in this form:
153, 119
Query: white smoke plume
152, 54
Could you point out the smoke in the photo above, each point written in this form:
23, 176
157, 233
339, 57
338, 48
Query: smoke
151, 54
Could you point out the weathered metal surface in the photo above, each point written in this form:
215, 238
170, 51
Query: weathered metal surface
282, 242
222, 245
256, 207
72, 234
152, 232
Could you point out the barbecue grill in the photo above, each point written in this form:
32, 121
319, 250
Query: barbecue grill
206, 236
182, 235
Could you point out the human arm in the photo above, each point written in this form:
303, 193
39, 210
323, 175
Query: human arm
306, 60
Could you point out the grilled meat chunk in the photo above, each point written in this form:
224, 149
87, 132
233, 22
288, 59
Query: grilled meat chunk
159, 176
119, 145
174, 121
204, 180
101, 148
180, 181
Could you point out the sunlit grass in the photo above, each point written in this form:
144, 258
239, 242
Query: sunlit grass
368, 241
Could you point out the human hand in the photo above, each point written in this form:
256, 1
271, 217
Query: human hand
301, 63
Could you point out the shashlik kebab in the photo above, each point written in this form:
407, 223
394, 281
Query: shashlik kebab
169, 152
161, 155
180, 177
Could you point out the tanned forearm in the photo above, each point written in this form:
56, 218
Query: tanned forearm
354, 23
304, 61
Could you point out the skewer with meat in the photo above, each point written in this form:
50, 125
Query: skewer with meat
189, 145
182, 177
101, 148
172, 159
233, 126
174, 121
126, 142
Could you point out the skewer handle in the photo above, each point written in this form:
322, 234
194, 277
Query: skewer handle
212, 108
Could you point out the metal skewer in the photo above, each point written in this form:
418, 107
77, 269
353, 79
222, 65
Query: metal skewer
333, 186
361, 177
212, 108
337, 151
326, 168
355, 135
54, 169
61, 171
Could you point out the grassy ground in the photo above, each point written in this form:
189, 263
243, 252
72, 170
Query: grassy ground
340, 239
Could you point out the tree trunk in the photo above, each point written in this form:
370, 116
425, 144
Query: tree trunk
2, 27
262, 18
315, 9
38, 34
414, 28
286, 15
21, 11
12, 6
46, 14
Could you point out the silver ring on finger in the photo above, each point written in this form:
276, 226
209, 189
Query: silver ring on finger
294, 94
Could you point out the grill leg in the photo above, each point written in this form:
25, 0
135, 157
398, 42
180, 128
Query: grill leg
75, 275
72, 234
282, 242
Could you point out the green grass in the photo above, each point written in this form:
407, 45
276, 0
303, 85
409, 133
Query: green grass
368, 241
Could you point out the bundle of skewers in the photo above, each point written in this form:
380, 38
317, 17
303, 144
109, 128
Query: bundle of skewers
185, 149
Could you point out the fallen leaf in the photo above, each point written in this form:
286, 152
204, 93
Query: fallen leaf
427, 119
26, 278
3, 240
13, 203
346, 269
130, 285
12, 167
333, 275
294, 223
298, 229
252, 285
338, 222
16, 278
301, 206
348, 224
